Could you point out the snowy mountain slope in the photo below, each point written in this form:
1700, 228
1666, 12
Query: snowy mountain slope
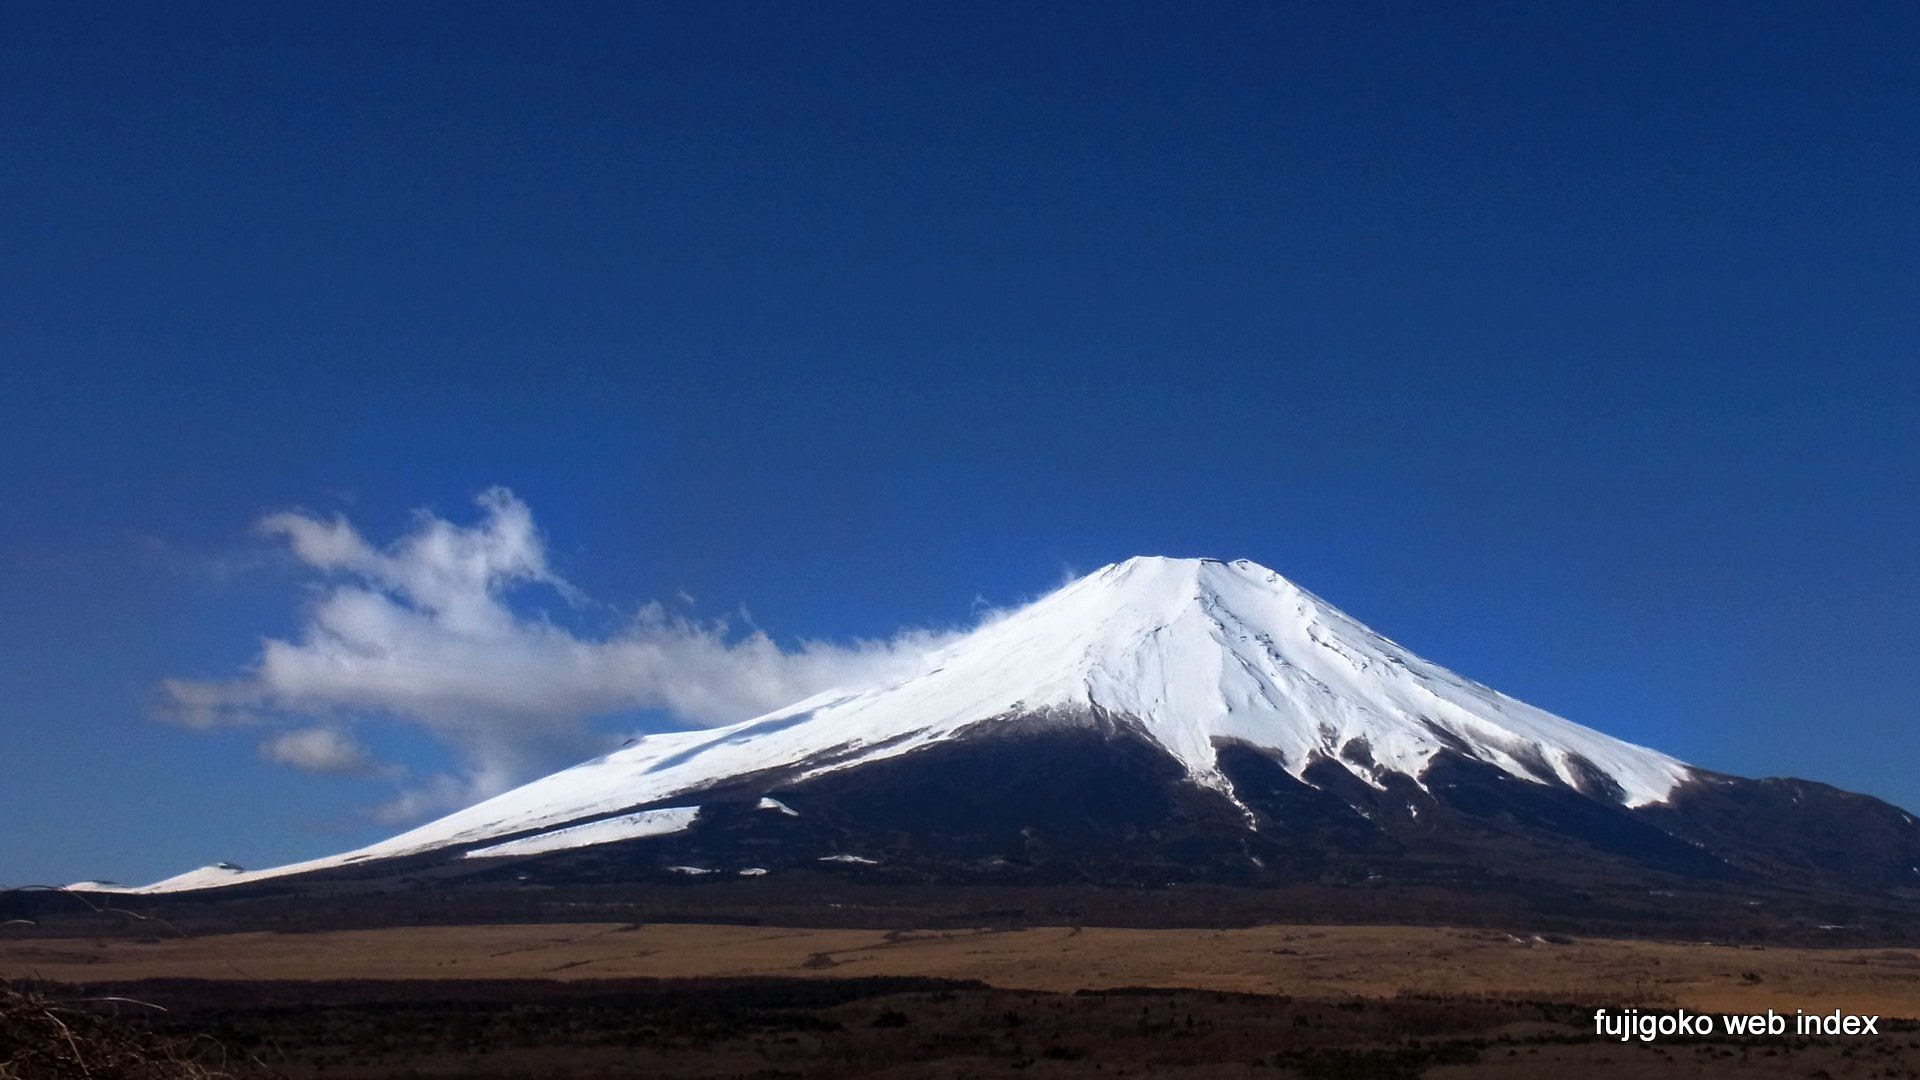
1193, 654
600, 831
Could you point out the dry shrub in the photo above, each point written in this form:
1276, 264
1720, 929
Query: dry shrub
51, 1038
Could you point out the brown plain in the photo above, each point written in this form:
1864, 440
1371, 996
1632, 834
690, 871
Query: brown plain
1306, 961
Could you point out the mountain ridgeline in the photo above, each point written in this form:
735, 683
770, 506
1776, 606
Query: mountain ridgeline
1157, 721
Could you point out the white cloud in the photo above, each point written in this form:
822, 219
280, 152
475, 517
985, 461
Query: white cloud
321, 750
420, 632
437, 794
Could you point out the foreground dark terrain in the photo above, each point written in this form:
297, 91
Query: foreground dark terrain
712, 999
891, 897
899, 1027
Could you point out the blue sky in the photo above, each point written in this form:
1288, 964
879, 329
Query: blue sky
1573, 346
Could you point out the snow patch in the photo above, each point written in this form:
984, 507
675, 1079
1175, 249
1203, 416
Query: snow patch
605, 831
220, 873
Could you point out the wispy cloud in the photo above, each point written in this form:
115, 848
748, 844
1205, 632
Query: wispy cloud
321, 750
420, 632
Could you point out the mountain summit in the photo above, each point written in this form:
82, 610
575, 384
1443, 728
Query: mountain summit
1157, 719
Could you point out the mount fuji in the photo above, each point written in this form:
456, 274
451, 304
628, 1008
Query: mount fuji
1159, 720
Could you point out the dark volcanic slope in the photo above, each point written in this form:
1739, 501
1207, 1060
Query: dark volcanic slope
1095, 824
1105, 805
1100, 804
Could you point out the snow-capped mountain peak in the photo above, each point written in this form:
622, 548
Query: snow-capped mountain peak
1201, 651
1192, 654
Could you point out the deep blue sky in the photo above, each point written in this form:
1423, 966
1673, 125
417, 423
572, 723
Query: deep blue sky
1573, 346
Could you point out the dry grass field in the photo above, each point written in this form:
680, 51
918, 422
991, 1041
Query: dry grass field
1303, 961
